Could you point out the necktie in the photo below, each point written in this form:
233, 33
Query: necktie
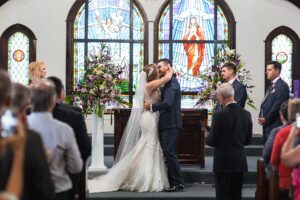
269, 90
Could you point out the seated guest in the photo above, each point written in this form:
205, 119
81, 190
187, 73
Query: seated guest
15, 184
229, 75
58, 138
13, 187
231, 130
37, 179
267, 151
285, 180
290, 156
76, 120
37, 72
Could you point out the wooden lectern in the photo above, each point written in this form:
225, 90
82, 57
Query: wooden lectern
191, 140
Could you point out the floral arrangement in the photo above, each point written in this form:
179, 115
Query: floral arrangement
212, 76
100, 84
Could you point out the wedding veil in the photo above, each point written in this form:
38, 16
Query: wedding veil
132, 133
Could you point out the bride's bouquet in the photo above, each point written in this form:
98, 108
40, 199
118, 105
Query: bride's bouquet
100, 84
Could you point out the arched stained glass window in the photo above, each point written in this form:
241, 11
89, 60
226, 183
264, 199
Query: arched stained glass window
120, 24
18, 58
18, 45
189, 32
282, 45
282, 50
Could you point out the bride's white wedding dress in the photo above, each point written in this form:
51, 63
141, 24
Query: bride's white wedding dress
143, 168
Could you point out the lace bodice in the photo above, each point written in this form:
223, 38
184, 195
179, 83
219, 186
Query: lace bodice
153, 98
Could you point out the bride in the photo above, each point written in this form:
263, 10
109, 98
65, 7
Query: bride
139, 164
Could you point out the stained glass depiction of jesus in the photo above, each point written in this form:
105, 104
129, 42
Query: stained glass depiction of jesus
194, 51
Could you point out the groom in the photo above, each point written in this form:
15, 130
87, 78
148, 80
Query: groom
169, 124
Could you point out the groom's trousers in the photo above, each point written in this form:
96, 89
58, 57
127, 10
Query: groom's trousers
168, 139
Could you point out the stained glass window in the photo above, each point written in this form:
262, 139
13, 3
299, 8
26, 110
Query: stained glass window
282, 48
19, 50
109, 22
18, 58
189, 33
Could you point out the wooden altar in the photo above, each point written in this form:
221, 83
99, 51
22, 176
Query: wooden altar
190, 145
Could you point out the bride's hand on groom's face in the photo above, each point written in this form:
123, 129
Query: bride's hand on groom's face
147, 105
169, 73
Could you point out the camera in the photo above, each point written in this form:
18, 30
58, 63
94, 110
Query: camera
8, 123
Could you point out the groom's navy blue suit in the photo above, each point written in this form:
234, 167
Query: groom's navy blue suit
169, 124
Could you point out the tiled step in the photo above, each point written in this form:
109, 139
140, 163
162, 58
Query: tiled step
251, 150
195, 174
191, 192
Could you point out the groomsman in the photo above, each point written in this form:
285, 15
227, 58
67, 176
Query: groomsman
231, 130
229, 75
276, 94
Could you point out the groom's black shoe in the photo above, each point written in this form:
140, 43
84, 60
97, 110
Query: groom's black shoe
177, 188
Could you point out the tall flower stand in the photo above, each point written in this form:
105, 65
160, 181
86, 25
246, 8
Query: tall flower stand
97, 164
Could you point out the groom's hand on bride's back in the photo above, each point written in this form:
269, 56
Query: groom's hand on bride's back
147, 105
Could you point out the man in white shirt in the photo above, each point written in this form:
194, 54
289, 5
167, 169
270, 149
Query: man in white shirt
58, 139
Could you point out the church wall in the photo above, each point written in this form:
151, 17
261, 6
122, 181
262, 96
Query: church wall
255, 20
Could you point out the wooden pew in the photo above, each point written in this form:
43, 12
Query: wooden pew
262, 183
274, 192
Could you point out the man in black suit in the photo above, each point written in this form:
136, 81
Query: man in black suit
71, 116
169, 124
231, 129
229, 75
276, 94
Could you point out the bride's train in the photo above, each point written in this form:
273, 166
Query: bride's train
142, 169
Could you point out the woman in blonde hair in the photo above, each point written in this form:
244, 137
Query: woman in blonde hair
37, 71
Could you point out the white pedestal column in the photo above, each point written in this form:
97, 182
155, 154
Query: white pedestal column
97, 164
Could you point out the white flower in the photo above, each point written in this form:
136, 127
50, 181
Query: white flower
229, 52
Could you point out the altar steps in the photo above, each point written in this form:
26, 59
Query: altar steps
254, 149
200, 182
191, 192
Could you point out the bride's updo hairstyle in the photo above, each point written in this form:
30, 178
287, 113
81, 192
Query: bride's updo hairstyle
151, 71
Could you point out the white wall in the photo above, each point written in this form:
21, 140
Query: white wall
255, 20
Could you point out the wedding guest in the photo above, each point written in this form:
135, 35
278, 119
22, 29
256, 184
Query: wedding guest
58, 138
76, 121
15, 184
290, 157
231, 130
37, 72
229, 75
277, 92
267, 151
285, 180
13, 187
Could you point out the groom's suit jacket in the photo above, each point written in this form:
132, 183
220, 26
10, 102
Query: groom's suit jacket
170, 105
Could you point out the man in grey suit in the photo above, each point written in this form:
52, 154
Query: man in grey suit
169, 124
276, 94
